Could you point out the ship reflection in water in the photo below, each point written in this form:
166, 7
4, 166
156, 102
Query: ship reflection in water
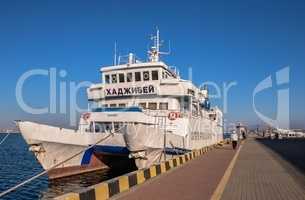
18, 164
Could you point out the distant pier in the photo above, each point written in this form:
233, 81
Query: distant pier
259, 169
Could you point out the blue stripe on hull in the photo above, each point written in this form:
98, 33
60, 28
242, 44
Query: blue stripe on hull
103, 149
87, 156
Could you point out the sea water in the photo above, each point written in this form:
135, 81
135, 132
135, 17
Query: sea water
17, 164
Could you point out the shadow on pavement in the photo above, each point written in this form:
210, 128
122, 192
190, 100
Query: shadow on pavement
292, 150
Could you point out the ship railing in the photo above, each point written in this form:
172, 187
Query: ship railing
161, 122
160, 118
128, 59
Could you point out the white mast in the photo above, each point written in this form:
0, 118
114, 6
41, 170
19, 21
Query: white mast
157, 40
154, 52
115, 56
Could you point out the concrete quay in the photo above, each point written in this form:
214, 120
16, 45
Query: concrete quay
258, 169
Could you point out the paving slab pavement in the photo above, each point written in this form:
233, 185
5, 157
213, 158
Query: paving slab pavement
260, 173
197, 179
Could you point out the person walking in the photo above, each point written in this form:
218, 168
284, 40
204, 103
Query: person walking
234, 139
244, 135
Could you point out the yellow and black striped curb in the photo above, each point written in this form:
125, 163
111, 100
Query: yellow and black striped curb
114, 186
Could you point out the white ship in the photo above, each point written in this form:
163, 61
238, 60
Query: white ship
145, 109
174, 115
286, 133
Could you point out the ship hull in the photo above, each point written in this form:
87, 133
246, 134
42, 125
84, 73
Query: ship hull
53, 145
150, 145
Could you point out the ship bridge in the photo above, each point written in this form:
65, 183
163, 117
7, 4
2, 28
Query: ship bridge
148, 85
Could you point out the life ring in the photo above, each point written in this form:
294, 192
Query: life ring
86, 116
146, 76
173, 115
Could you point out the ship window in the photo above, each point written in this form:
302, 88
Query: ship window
164, 75
113, 78
154, 75
112, 105
101, 127
191, 92
152, 106
146, 76
97, 128
122, 105
121, 78
142, 105
138, 76
107, 79
185, 103
129, 77
90, 127
163, 106
117, 126
105, 105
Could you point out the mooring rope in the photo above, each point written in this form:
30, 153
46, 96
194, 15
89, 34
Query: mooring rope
5, 137
54, 166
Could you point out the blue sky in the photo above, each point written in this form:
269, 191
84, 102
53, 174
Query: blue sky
222, 41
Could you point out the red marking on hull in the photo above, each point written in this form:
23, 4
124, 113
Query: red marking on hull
73, 170
97, 162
